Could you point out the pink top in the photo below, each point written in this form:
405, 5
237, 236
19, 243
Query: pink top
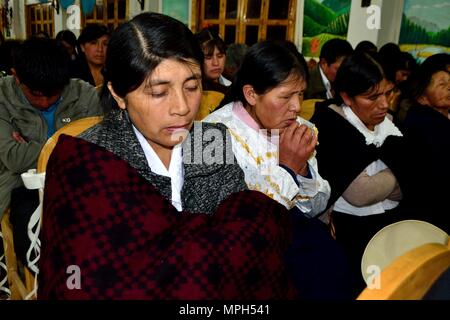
244, 116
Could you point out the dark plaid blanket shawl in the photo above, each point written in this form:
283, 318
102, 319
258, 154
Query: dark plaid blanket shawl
103, 219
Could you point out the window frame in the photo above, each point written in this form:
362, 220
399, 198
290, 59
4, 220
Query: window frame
198, 21
49, 21
111, 23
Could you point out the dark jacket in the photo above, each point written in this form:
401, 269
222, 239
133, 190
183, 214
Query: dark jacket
426, 166
79, 100
316, 89
205, 185
79, 69
342, 153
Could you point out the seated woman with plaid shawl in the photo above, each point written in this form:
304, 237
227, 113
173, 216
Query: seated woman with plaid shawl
149, 205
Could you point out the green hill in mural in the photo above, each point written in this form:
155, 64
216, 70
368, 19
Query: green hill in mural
339, 26
321, 23
339, 7
318, 12
318, 18
442, 37
411, 32
311, 28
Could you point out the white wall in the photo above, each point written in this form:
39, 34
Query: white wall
391, 18
390, 22
18, 24
299, 24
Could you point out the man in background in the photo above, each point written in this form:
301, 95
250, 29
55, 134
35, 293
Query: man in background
35, 101
332, 54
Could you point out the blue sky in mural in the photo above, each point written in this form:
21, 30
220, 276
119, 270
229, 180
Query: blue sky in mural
431, 14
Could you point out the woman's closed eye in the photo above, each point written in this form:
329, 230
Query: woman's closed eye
192, 85
286, 96
192, 88
158, 93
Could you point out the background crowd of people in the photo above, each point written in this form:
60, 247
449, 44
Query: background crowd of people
288, 215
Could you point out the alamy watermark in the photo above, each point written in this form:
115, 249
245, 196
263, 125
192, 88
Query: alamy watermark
210, 146
374, 19
74, 279
373, 280
73, 21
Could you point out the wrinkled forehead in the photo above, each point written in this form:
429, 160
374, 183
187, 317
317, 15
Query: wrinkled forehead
295, 77
440, 76
294, 82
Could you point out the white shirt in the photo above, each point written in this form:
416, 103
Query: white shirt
376, 137
257, 155
175, 172
326, 83
224, 81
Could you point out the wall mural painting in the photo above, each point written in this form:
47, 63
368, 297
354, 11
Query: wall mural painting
322, 21
178, 9
425, 28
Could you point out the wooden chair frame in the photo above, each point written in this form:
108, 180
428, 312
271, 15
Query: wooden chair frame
21, 289
411, 275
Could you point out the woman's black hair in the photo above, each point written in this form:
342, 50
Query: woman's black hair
209, 40
67, 36
138, 46
422, 78
92, 32
265, 65
291, 46
357, 74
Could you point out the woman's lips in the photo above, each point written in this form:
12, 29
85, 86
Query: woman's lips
178, 127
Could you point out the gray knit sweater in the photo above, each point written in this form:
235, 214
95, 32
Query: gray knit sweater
205, 185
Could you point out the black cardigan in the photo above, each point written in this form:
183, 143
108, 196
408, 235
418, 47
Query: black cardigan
426, 165
342, 153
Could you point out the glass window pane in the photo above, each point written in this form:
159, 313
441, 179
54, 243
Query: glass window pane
253, 9
230, 34
90, 15
278, 9
212, 9
276, 33
110, 9
231, 9
251, 35
44, 14
99, 12
214, 29
38, 14
122, 10
32, 15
